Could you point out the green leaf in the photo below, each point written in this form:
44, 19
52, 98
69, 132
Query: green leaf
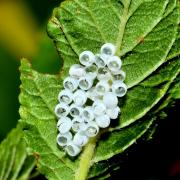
175, 90
172, 95
144, 32
13, 156
143, 97
175, 50
170, 6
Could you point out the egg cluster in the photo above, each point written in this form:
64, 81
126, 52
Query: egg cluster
90, 98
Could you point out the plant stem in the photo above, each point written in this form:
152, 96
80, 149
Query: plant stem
85, 160
122, 25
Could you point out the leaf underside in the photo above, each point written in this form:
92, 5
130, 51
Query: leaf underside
144, 32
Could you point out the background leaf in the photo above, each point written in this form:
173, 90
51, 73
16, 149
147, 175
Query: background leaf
14, 162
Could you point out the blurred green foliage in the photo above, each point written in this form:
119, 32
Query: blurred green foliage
45, 60
42, 9
9, 82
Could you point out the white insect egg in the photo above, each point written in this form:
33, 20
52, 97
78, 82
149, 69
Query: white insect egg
72, 149
85, 83
104, 74
92, 129
87, 114
113, 113
76, 124
92, 94
102, 87
99, 108
75, 110
64, 125
80, 97
80, 139
61, 110
100, 60
83, 127
103, 121
110, 100
65, 96
91, 71
119, 75
114, 63
108, 49
64, 139
119, 88
70, 83
86, 58
76, 71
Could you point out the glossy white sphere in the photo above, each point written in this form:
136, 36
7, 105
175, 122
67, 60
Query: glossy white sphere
110, 100
86, 58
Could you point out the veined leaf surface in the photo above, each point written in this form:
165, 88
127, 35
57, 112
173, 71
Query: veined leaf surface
143, 32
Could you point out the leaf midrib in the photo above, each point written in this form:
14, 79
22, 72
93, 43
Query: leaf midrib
85, 160
148, 31
122, 25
